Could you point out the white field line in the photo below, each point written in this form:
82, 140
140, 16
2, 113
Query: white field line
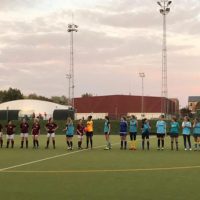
52, 157
107, 170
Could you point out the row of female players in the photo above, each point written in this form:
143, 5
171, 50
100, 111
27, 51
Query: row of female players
126, 127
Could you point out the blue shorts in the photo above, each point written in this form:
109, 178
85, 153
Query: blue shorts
123, 134
174, 134
89, 134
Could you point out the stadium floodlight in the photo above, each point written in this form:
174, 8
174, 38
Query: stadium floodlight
142, 76
71, 28
165, 9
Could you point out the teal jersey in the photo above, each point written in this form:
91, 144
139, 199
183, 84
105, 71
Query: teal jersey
196, 129
186, 128
161, 127
70, 129
146, 128
133, 126
174, 127
106, 126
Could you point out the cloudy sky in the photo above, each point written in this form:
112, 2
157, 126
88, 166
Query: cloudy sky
117, 39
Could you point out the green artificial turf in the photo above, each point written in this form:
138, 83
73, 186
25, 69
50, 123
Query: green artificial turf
99, 174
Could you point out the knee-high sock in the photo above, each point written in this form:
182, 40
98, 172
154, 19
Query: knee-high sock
158, 143
148, 145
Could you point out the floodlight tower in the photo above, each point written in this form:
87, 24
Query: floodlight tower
71, 29
142, 76
164, 10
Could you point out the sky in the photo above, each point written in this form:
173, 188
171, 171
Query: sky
116, 40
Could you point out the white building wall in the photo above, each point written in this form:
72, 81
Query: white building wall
94, 115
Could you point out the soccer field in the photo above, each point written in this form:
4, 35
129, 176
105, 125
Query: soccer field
27, 174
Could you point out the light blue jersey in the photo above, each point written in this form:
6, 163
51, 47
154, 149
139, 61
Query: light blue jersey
186, 128
174, 127
196, 129
161, 127
133, 126
106, 126
146, 128
70, 129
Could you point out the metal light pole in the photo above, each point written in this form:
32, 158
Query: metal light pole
71, 29
142, 76
164, 10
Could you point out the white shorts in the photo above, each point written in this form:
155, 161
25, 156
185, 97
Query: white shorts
52, 135
80, 136
1, 134
25, 135
10, 137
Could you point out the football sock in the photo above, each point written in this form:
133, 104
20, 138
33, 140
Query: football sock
71, 144
7, 143
87, 142
68, 143
121, 144
176, 145
12, 143
158, 143
172, 145
47, 143
1, 143
125, 144
22, 144
34, 143
37, 142
91, 142
79, 144
26, 143
163, 143
54, 144
148, 145
143, 144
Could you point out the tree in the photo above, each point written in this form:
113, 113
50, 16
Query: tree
87, 95
60, 100
10, 95
36, 97
186, 112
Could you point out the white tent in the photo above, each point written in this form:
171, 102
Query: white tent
28, 107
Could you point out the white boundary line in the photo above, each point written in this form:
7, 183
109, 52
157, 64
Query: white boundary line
49, 158
57, 156
106, 170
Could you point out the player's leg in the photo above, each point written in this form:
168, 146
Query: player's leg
22, 140
189, 142
131, 141
34, 143
26, 139
125, 141
71, 142
1, 139
148, 143
53, 140
176, 140
195, 143
143, 140
12, 141
134, 141
87, 140
48, 140
185, 144
158, 142
121, 139
8, 141
67, 141
172, 142
163, 141
37, 140
91, 140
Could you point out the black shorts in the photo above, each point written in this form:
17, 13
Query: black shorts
69, 136
133, 133
145, 136
160, 135
89, 134
106, 133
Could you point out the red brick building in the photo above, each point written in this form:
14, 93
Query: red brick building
119, 105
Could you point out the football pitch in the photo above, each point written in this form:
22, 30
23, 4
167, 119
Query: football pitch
27, 174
